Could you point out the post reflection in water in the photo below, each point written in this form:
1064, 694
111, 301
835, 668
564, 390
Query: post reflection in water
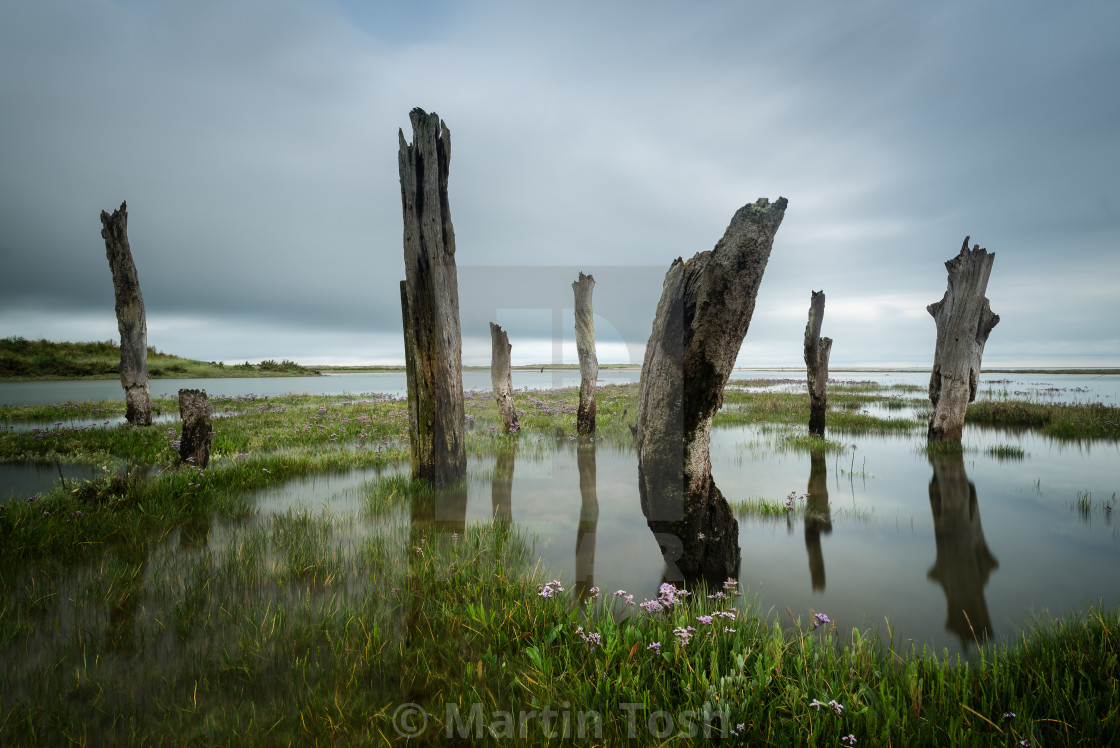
588, 521
501, 489
195, 533
963, 560
439, 509
120, 634
817, 517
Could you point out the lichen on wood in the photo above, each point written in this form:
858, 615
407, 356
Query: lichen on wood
131, 320
964, 320
430, 303
585, 347
817, 350
501, 380
703, 315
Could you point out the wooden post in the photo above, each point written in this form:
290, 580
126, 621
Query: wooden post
964, 320
704, 312
585, 346
500, 378
131, 320
431, 302
964, 561
816, 363
194, 444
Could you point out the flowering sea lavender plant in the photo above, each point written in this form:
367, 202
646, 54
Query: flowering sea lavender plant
548, 589
684, 635
592, 639
820, 619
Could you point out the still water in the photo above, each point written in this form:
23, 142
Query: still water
1048, 387
948, 551
390, 383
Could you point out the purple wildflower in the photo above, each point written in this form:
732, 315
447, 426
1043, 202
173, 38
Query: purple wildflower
651, 606
849, 739
592, 639
548, 589
656, 647
819, 619
706, 620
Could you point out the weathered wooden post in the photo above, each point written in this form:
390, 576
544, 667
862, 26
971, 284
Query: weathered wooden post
704, 312
430, 297
585, 347
964, 320
816, 363
964, 561
501, 380
194, 444
131, 320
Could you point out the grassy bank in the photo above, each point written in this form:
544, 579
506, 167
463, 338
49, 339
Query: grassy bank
22, 359
158, 605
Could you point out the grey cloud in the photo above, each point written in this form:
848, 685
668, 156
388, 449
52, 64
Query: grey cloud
256, 146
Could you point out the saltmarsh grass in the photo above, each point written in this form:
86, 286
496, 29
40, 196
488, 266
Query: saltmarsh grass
158, 606
1006, 452
1067, 420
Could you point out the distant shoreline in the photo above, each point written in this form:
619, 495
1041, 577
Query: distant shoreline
791, 369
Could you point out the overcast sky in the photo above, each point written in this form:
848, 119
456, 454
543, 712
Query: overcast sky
256, 145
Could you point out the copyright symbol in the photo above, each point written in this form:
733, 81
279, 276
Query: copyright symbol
410, 720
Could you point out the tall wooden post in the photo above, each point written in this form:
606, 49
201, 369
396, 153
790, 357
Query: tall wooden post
585, 346
964, 320
430, 304
501, 380
816, 363
131, 320
703, 315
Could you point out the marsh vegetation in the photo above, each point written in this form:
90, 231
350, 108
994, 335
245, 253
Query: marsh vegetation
301, 589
